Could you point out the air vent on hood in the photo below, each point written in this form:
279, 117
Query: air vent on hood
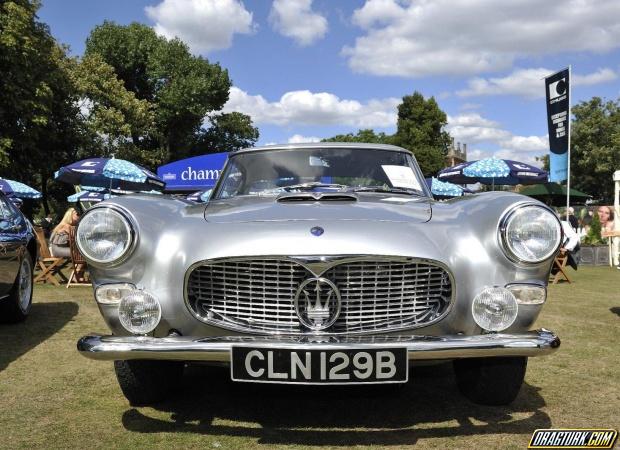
316, 197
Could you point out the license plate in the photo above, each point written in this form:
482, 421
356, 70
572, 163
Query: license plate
303, 366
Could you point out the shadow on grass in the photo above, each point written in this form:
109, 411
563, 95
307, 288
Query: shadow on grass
337, 415
44, 320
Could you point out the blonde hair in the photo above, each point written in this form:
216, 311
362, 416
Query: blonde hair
66, 219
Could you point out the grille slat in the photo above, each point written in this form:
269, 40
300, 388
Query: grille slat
376, 295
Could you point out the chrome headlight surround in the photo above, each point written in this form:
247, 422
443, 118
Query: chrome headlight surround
128, 226
508, 220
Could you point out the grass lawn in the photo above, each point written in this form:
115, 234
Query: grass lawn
52, 397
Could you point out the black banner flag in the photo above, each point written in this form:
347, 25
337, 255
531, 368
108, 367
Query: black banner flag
558, 101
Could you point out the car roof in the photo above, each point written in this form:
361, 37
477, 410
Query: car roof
348, 145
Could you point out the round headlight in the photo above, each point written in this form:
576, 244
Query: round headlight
104, 235
495, 309
531, 233
139, 312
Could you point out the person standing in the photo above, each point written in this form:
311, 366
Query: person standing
47, 224
572, 219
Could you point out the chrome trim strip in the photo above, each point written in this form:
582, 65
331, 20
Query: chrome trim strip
186, 348
318, 265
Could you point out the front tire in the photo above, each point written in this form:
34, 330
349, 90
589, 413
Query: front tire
490, 381
16, 306
146, 382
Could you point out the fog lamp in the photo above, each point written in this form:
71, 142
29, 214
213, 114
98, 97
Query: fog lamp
112, 294
495, 309
139, 312
528, 294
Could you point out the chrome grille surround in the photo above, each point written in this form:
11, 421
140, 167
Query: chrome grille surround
379, 293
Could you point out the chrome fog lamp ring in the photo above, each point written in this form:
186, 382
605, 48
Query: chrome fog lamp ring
106, 235
529, 233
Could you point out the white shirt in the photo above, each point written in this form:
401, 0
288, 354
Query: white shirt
571, 239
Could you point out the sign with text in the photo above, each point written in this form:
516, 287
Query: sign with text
193, 174
558, 107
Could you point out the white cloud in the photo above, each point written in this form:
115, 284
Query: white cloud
430, 37
205, 25
314, 108
474, 130
295, 19
529, 82
470, 106
298, 139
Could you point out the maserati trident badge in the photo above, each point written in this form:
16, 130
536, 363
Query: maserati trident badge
317, 303
317, 231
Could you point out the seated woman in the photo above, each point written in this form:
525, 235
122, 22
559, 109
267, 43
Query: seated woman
59, 240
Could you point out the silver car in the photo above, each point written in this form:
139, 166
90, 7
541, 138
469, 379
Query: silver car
320, 264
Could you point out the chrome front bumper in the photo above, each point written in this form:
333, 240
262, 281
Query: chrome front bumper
185, 348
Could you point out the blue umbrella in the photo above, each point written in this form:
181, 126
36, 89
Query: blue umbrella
444, 189
493, 171
110, 173
87, 196
200, 196
13, 188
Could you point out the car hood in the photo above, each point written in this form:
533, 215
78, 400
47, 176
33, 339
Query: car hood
367, 207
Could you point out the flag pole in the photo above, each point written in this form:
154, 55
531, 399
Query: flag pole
568, 120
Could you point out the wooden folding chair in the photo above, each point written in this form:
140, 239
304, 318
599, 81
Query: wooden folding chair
559, 264
79, 275
51, 266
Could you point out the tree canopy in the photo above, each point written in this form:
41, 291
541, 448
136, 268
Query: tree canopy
39, 127
366, 135
595, 142
420, 128
181, 89
133, 94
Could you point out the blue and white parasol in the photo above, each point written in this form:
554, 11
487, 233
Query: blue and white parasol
13, 188
110, 173
443, 189
493, 171
87, 196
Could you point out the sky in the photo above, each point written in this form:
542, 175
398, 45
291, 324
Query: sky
311, 69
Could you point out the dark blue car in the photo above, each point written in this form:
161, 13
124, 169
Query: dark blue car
18, 252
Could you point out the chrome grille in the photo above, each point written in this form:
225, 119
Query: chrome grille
377, 295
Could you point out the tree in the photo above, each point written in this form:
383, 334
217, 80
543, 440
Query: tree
366, 135
228, 132
38, 116
421, 129
595, 142
182, 89
112, 117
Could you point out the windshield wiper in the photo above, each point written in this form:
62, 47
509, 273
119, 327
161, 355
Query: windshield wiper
389, 190
310, 186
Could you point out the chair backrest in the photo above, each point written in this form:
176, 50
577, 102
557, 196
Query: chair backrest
44, 251
76, 256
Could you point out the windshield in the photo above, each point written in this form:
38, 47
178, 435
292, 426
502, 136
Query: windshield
272, 172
